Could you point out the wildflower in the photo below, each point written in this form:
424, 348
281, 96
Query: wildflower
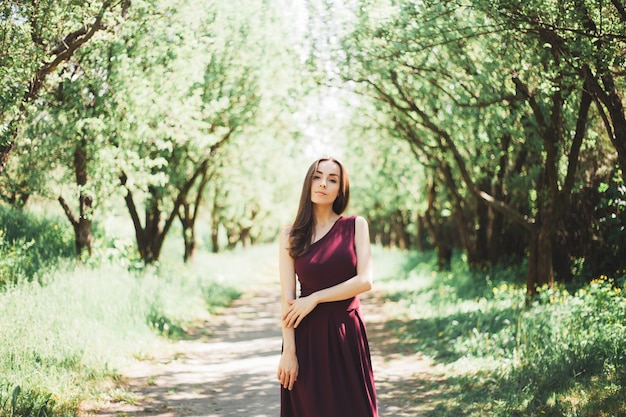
440, 334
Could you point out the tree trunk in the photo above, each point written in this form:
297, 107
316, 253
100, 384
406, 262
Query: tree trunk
154, 233
481, 255
441, 243
531, 269
607, 100
189, 215
5, 151
149, 238
83, 236
464, 225
191, 245
421, 234
215, 225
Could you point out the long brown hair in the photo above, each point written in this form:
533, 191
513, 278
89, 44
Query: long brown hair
301, 231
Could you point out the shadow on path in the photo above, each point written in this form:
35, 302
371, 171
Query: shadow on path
228, 368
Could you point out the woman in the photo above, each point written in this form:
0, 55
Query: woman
325, 367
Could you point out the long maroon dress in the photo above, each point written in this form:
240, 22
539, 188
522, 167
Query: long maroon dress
335, 376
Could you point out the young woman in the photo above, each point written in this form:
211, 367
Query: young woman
325, 368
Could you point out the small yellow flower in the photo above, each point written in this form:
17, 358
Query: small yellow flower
441, 333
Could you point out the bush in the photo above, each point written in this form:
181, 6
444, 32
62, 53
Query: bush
29, 243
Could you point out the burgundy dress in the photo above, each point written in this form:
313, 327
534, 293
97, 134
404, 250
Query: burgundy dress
335, 371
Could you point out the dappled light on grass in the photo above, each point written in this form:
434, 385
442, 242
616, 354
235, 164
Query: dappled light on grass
561, 355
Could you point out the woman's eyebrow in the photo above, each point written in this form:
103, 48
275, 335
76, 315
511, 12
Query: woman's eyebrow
332, 174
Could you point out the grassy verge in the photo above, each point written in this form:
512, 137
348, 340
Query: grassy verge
562, 356
61, 339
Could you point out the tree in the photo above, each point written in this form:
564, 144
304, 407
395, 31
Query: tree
210, 112
444, 87
37, 39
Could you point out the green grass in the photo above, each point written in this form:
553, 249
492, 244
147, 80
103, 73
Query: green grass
67, 327
58, 341
563, 355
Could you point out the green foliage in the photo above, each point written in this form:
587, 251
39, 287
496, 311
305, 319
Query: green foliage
57, 341
562, 355
219, 296
494, 101
390, 206
609, 257
29, 243
15, 402
33, 36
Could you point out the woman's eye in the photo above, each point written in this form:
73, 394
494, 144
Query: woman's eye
333, 181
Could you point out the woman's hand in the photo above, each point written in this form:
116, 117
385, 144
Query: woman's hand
287, 369
297, 310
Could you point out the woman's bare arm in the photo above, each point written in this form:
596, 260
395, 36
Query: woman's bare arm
288, 365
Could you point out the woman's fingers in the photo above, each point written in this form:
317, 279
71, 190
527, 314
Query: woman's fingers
287, 379
290, 317
292, 381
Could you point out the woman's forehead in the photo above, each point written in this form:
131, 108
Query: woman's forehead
328, 167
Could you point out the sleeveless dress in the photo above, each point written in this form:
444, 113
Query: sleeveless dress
335, 376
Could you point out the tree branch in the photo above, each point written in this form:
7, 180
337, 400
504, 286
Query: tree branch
72, 42
429, 124
523, 90
619, 6
184, 191
581, 126
132, 209
68, 211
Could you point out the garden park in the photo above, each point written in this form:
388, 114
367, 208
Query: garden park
152, 150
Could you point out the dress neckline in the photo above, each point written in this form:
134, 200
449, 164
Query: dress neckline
328, 232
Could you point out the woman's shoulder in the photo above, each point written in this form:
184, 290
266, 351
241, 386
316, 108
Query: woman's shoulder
285, 231
358, 222
355, 219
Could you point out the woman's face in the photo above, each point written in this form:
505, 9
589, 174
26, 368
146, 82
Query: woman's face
325, 184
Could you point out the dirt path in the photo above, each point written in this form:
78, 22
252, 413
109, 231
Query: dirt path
228, 368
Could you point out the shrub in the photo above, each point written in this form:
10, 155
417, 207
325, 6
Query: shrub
29, 243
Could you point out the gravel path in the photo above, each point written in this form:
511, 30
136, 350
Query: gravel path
228, 368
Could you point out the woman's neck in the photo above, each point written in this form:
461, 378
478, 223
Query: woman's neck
324, 215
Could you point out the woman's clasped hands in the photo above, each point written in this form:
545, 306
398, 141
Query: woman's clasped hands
298, 309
